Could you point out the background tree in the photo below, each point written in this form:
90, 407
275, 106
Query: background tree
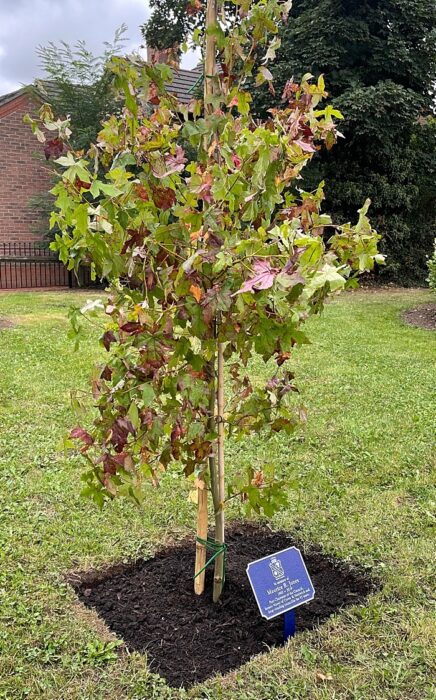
172, 22
76, 84
379, 59
210, 262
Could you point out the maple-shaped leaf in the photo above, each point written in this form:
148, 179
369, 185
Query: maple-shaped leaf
83, 435
135, 238
173, 163
290, 89
263, 279
164, 197
307, 147
53, 148
196, 292
119, 433
142, 193
204, 190
112, 462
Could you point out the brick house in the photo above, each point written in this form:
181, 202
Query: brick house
23, 172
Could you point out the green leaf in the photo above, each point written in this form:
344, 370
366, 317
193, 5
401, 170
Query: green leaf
133, 414
148, 395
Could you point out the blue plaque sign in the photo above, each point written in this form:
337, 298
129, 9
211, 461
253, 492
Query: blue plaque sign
280, 582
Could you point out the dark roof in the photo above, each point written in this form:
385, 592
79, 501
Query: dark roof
183, 86
4, 99
184, 83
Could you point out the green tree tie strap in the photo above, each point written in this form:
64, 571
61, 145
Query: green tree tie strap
217, 548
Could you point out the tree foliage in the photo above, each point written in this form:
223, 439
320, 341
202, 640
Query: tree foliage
379, 61
173, 22
221, 253
378, 58
77, 85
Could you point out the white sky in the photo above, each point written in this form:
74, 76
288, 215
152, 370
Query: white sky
24, 24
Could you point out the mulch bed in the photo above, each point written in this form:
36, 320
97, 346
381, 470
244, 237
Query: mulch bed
152, 606
423, 317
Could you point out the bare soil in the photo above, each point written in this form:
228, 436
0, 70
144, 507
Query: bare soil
152, 606
6, 323
422, 317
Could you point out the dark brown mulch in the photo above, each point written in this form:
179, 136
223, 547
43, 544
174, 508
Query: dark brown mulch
423, 317
151, 605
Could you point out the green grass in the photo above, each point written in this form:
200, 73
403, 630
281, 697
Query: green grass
364, 467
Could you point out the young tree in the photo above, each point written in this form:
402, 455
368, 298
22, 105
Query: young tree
209, 261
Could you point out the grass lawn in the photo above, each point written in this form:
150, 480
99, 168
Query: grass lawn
364, 469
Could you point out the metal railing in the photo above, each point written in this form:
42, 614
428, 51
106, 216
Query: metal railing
29, 265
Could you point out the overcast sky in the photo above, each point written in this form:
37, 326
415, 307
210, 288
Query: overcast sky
24, 24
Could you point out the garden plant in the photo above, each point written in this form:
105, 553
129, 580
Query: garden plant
209, 259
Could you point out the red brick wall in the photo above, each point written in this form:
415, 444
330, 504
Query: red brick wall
22, 173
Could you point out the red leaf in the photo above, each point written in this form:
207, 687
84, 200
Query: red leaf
83, 435
164, 197
135, 239
81, 185
174, 163
193, 7
132, 327
142, 193
282, 357
290, 89
54, 148
106, 373
263, 279
153, 95
149, 279
119, 433
108, 338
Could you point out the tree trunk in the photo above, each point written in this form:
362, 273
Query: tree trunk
218, 579
200, 552
217, 475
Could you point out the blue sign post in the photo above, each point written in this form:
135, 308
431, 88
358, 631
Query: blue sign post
280, 583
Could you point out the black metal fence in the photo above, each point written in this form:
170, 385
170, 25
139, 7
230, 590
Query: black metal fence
29, 265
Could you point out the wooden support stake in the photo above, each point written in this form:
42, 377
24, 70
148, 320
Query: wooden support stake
210, 56
200, 549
